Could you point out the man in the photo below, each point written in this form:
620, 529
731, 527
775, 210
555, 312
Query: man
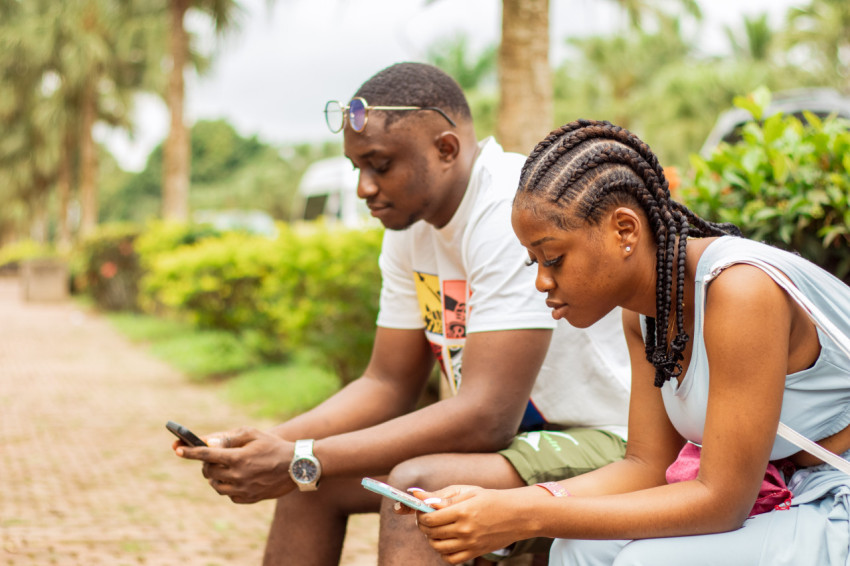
455, 289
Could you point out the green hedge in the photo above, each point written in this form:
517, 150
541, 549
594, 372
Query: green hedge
106, 267
315, 288
108, 264
11, 255
786, 182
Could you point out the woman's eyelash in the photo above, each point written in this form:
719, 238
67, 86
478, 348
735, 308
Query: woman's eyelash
546, 263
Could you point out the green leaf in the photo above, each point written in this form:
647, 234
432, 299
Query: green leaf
762, 97
813, 120
845, 161
774, 128
748, 104
786, 232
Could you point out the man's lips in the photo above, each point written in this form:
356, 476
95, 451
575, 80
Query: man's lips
377, 206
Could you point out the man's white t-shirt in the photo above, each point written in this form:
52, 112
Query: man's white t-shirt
471, 276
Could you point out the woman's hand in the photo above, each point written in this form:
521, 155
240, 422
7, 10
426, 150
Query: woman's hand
436, 499
470, 521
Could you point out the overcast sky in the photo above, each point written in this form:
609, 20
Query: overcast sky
272, 76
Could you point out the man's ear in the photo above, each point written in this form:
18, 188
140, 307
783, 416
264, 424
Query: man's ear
448, 146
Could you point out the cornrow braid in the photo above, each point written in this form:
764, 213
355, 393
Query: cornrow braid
586, 167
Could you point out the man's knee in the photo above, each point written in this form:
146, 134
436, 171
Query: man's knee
426, 472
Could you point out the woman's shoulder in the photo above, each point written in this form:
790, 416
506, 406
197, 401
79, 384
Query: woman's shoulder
711, 254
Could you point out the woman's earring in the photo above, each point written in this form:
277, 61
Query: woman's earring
628, 249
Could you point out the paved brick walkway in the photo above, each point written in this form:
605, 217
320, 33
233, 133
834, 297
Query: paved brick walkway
87, 476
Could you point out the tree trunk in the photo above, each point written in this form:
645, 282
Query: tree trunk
38, 211
176, 155
88, 160
63, 187
525, 78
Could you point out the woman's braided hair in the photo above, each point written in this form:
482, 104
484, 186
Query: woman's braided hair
586, 167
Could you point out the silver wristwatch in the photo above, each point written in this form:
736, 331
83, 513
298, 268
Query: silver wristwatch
305, 470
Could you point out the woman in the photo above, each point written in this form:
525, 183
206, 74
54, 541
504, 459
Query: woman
719, 353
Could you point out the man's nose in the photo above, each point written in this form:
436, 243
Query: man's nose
366, 186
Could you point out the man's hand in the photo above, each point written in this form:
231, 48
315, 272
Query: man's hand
247, 465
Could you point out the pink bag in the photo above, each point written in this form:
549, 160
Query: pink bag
774, 494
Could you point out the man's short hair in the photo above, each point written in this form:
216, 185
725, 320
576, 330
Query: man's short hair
414, 84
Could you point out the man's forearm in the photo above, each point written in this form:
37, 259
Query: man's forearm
362, 403
451, 425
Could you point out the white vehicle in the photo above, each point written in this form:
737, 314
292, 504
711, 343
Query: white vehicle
251, 221
821, 102
328, 190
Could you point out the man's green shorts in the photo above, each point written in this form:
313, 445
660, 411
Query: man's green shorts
551, 455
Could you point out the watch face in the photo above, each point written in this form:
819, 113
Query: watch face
304, 470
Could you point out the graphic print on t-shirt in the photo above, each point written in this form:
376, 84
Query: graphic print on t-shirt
444, 315
428, 293
454, 308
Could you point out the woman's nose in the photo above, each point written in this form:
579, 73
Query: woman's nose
544, 282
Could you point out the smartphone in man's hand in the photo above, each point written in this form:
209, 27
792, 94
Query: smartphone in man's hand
188, 437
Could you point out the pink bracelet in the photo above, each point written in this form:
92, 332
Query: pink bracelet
554, 488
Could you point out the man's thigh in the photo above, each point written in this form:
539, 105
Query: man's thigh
550, 455
437, 471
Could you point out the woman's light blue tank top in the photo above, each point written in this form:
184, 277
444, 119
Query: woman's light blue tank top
816, 402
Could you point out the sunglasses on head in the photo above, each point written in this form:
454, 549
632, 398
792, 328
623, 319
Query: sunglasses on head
357, 113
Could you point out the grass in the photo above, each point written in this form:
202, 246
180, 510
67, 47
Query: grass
203, 354
284, 390
200, 354
143, 328
266, 391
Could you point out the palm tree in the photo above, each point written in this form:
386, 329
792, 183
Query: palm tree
63, 67
29, 146
176, 157
757, 41
638, 11
824, 28
453, 56
525, 77
525, 107
618, 67
96, 55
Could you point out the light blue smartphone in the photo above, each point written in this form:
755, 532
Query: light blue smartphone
396, 494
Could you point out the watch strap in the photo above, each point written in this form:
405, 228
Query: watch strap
304, 448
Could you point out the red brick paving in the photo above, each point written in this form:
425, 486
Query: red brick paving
87, 476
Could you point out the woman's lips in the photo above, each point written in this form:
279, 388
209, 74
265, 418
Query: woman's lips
559, 309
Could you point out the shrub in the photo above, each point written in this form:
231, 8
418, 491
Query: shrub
329, 303
786, 183
214, 281
160, 237
108, 267
313, 289
11, 255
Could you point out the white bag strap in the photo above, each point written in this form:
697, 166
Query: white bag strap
801, 441
836, 335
